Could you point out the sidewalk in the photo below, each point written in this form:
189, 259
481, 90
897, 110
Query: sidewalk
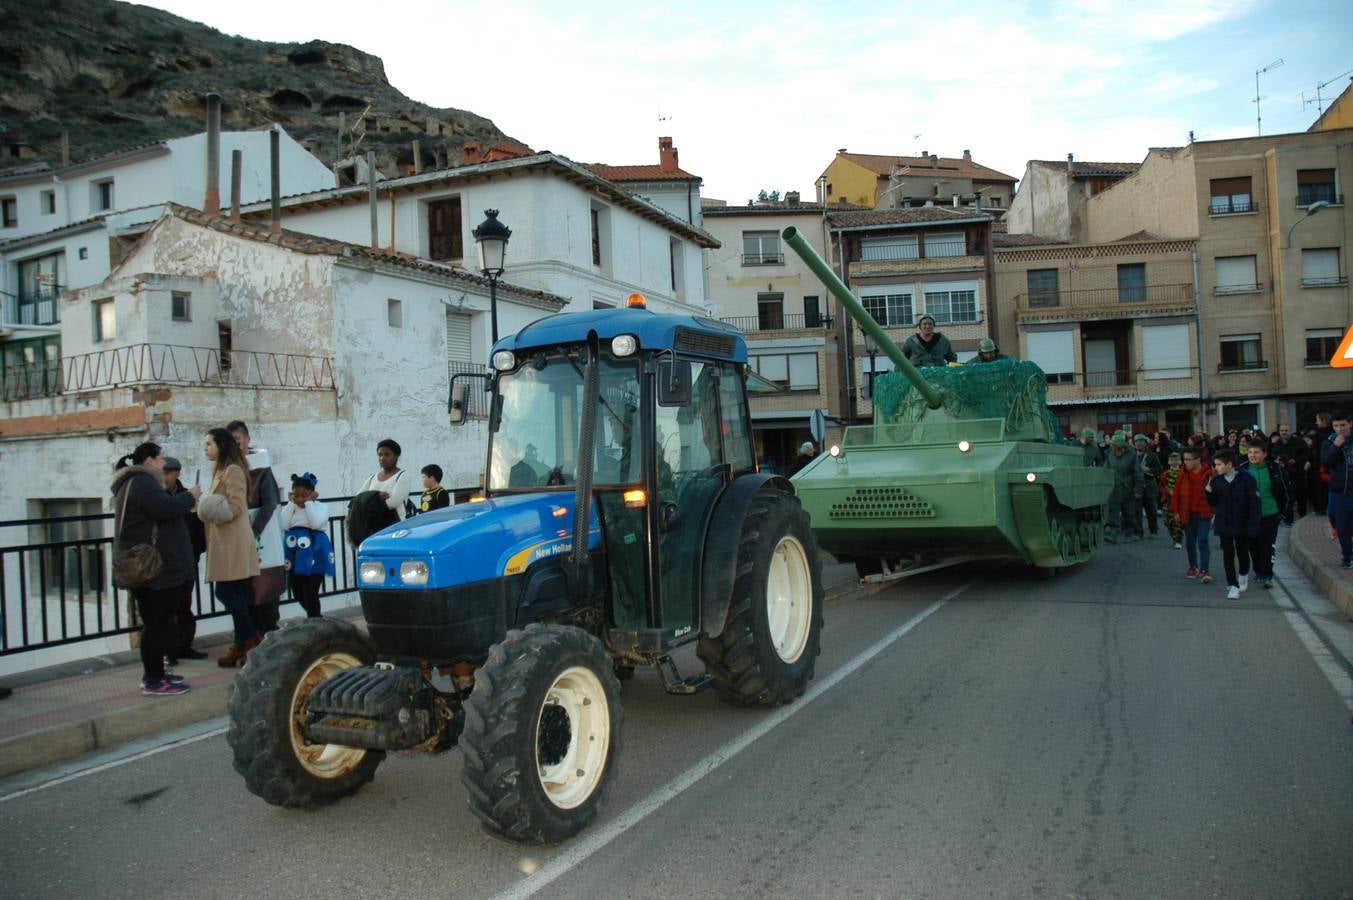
60, 714
1318, 557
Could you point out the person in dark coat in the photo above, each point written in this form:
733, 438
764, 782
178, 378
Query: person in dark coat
1290, 452
144, 513
807, 452
1337, 457
1092, 453
1124, 516
928, 347
1151, 469
1234, 497
1275, 504
987, 351
183, 628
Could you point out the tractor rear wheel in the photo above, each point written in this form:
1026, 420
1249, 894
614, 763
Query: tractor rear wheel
268, 711
542, 733
769, 645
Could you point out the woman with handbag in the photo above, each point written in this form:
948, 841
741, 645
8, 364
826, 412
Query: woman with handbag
152, 556
232, 553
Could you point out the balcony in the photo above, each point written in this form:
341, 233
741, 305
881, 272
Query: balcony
1225, 206
1306, 198
34, 306
167, 364
1225, 290
763, 259
799, 322
1121, 385
1324, 281
1256, 365
1105, 303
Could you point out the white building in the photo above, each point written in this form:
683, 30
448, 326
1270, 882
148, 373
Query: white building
665, 185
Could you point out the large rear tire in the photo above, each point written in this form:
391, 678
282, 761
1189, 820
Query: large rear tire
542, 734
769, 645
269, 707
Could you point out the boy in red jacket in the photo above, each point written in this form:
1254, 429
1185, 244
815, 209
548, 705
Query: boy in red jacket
1188, 500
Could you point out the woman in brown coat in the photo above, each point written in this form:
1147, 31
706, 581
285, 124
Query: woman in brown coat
232, 552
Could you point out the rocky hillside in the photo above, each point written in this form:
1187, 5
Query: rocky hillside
112, 75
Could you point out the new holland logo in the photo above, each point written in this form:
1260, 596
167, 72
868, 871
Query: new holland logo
403, 532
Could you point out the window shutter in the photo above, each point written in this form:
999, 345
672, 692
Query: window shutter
1226, 186
458, 346
1052, 351
1165, 351
803, 371
1320, 265
1236, 273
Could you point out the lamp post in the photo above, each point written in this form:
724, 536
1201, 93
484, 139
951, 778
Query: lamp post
491, 242
872, 348
1310, 211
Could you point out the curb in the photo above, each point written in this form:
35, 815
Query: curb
1325, 578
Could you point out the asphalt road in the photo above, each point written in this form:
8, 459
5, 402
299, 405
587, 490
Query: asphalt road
1116, 731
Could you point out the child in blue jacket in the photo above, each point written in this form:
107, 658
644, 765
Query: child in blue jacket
1234, 496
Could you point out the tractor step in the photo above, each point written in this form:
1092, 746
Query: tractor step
673, 683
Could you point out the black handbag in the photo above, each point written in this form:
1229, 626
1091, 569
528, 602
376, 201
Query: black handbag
138, 564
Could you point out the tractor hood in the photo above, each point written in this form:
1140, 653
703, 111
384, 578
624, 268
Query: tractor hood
492, 538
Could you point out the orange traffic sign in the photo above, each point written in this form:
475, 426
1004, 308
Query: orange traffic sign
1343, 355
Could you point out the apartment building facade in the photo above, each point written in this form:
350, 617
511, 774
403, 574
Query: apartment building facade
880, 181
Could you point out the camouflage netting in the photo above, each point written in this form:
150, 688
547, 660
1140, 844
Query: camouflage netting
1013, 390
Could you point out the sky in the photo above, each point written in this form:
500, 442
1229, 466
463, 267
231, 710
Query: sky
760, 96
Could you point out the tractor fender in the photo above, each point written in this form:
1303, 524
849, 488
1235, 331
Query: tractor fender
719, 570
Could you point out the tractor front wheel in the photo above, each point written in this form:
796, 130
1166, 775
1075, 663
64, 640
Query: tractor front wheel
542, 733
268, 711
769, 645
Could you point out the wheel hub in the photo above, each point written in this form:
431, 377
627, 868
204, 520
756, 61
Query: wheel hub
573, 737
789, 599
320, 760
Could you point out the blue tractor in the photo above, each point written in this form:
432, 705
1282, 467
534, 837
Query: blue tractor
506, 624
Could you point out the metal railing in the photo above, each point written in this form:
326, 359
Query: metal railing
168, 364
35, 307
1225, 206
1090, 297
1306, 199
763, 259
55, 592
894, 252
749, 324
1258, 365
1222, 290
1324, 281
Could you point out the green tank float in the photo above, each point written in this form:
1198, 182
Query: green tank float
961, 462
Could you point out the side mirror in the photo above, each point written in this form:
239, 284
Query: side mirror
674, 382
455, 407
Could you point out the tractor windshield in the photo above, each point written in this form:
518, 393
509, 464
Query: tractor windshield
535, 443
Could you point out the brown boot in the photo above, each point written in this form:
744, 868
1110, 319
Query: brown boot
249, 644
232, 656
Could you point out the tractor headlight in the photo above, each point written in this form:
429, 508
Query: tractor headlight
413, 572
504, 360
372, 573
624, 344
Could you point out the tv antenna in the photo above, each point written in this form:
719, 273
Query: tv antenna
662, 118
1259, 119
1318, 100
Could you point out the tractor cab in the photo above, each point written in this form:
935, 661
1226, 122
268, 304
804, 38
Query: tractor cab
669, 431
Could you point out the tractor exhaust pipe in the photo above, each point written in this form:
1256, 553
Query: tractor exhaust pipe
580, 564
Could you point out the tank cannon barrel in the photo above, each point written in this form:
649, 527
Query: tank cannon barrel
857, 312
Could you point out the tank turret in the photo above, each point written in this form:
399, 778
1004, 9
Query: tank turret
960, 460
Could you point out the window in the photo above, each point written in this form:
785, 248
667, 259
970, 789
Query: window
446, 241
1242, 351
812, 317
1101, 363
83, 253
951, 306
1165, 351
105, 320
1054, 353
596, 237
9, 212
795, 371
1320, 268
676, 254
1236, 275
1314, 185
394, 313
48, 203
601, 236
178, 306
1042, 287
101, 195
888, 308
894, 247
761, 248
994, 202
1321, 344
770, 311
945, 243
1132, 283
225, 339
1231, 195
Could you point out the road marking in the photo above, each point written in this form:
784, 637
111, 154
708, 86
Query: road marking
593, 841
114, 763
1335, 672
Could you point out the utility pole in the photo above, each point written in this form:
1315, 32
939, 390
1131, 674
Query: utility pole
1259, 119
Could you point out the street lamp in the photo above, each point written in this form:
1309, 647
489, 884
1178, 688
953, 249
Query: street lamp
871, 347
1310, 211
491, 241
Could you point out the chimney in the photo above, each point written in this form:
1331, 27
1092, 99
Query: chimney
371, 197
472, 153
955, 201
211, 203
967, 156
1071, 164
236, 168
667, 155
792, 198
841, 150
275, 165
934, 161
925, 154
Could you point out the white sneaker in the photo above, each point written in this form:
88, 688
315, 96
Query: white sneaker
1233, 593
1244, 583
1178, 546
